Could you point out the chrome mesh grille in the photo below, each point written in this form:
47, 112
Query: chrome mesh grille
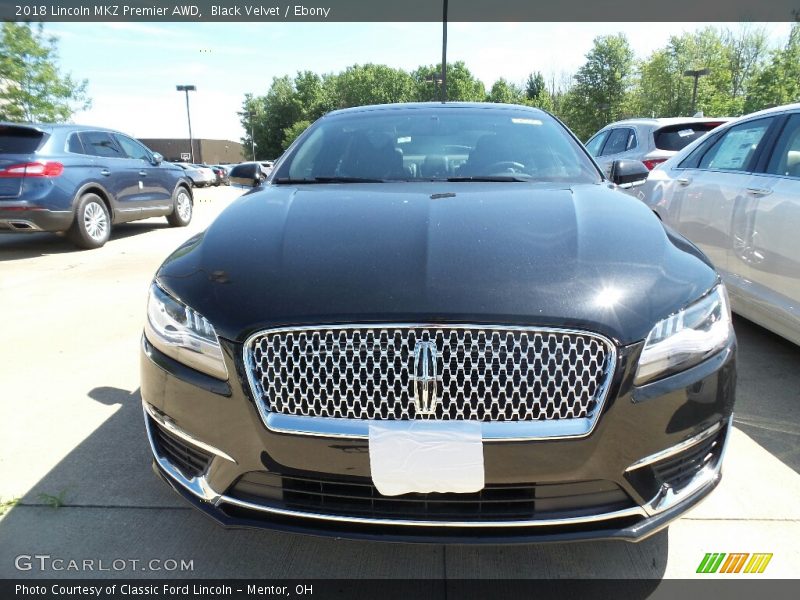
485, 373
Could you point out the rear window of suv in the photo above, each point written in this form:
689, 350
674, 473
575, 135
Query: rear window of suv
677, 137
19, 140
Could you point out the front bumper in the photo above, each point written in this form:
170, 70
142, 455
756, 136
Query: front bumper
644, 435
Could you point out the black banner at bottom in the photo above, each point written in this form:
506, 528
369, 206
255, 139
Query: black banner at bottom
404, 589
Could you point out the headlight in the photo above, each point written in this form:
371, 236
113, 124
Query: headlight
686, 338
183, 334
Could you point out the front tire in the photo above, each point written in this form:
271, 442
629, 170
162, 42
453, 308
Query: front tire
182, 210
92, 225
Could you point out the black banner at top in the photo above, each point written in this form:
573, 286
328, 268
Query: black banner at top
402, 10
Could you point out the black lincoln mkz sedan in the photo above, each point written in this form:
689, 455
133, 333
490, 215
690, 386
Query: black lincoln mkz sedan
439, 322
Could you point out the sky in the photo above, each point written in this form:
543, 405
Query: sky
133, 68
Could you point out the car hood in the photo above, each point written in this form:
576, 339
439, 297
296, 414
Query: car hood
584, 257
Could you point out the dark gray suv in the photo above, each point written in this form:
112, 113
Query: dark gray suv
82, 180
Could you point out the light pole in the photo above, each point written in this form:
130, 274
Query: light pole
604, 108
444, 51
697, 74
186, 89
251, 115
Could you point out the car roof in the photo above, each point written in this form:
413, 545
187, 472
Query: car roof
53, 127
772, 110
434, 105
662, 121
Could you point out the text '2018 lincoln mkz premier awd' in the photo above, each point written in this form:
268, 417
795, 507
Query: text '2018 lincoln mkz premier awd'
439, 322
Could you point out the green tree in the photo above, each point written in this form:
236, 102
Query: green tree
268, 116
600, 93
31, 86
779, 82
746, 50
462, 85
536, 93
732, 59
704, 49
506, 93
290, 134
535, 86
315, 95
360, 85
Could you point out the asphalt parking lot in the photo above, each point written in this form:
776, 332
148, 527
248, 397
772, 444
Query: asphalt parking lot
76, 483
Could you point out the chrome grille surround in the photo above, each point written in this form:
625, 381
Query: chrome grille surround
543, 382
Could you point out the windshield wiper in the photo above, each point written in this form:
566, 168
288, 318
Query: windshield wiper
490, 178
289, 180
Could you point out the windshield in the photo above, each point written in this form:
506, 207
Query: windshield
447, 144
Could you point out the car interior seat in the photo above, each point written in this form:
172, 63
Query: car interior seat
374, 157
434, 165
793, 163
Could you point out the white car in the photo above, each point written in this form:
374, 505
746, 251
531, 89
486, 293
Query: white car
209, 177
651, 141
200, 175
735, 193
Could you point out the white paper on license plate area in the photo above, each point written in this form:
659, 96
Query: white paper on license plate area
426, 456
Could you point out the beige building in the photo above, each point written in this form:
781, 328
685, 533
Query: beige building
210, 152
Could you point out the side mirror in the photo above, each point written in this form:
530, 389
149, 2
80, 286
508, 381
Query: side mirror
246, 175
157, 158
628, 173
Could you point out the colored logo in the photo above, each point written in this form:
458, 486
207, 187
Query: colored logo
719, 562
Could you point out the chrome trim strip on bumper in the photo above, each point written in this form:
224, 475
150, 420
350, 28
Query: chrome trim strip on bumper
167, 424
491, 431
667, 497
628, 512
198, 486
677, 448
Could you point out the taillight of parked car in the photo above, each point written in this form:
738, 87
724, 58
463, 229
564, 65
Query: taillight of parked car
652, 162
33, 169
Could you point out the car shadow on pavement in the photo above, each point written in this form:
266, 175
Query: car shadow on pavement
768, 391
18, 246
115, 508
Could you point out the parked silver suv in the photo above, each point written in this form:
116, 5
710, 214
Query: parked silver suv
651, 141
736, 195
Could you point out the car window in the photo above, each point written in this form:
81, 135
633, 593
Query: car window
438, 144
74, 144
734, 150
133, 149
693, 159
100, 143
620, 140
677, 137
594, 145
785, 159
19, 140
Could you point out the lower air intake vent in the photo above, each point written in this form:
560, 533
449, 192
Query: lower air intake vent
495, 503
191, 461
680, 469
